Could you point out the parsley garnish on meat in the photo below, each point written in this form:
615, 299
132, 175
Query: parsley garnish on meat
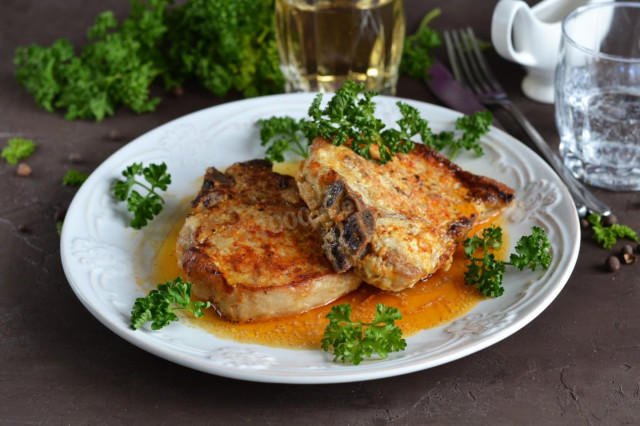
17, 149
159, 306
607, 236
143, 208
348, 119
352, 341
486, 272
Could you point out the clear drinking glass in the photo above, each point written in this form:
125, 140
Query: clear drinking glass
598, 95
323, 43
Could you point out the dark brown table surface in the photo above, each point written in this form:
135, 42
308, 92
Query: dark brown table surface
576, 363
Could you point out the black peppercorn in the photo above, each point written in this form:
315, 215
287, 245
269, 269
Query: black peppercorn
584, 223
612, 264
626, 249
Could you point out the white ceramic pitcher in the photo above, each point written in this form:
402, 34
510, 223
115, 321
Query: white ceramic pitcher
531, 37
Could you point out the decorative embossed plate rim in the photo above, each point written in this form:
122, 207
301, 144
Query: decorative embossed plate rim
104, 260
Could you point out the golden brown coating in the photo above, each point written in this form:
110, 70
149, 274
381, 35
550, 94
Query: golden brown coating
248, 247
397, 223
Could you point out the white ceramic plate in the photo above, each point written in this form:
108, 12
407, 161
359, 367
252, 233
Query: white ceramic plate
104, 260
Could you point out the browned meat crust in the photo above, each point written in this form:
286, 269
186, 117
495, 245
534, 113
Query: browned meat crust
247, 246
397, 223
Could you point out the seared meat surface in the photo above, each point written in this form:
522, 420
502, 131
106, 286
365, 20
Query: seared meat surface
397, 223
248, 247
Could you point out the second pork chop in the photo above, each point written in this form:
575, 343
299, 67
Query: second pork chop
397, 223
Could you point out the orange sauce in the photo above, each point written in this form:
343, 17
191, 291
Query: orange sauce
438, 300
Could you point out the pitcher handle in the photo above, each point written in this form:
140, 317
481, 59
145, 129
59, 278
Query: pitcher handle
502, 28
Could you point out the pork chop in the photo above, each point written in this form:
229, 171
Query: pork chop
397, 223
248, 247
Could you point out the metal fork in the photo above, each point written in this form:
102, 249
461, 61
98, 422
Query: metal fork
471, 68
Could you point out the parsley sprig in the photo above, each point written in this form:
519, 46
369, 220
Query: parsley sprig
352, 341
144, 208
607, 236
74, 177
472, 127
17, 149
283, 134
159, 306
416, 54
348, 119
486, 272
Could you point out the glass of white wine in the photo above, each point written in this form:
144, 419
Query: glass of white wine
323, 43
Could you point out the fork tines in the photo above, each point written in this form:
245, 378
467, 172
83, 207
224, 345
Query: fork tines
468, 62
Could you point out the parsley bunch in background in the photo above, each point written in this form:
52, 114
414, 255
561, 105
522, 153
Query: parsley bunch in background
416, 54
225, 45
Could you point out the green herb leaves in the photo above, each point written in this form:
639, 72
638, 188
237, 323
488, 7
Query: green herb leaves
353, 341
486, 272
472, 127
115, 68
159, 305
223, 44
283, 134
17, 149
144, 208
607, 236
531, 251
416, 55
348, 119
74, 178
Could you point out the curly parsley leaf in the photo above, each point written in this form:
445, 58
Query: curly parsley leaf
74, 178
16, 149
416, 55
352, 341
146, 207
349, 119
486, 272
473, 127
282, 134
159, 306
532, 250
607, 236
